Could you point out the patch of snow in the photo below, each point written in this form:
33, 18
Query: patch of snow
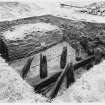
42, 7
15, 10
20, 31
13, 88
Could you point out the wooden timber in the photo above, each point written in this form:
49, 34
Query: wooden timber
59, 81
49, 80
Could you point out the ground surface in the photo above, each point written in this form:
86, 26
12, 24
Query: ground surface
75, 28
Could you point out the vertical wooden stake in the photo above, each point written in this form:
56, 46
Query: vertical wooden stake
41, 60
98, 56
63, 59
26, 67
59, 82
43, 66
70, 76
89, 65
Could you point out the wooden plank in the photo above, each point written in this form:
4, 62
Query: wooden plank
47, 81
70, 76
55, 76
26, 68
43, 66
84, 62
63, 59
59, 82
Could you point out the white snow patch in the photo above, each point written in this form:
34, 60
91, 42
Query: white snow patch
11, 11
20, 31
89, 88
13, 88
15, 10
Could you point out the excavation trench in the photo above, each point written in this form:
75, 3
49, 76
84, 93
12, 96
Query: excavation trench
50, 43
53, 55
53, 59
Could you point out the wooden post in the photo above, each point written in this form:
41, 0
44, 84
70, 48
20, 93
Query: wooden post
97, 59
59, 82
26, 67
63, 59
84, 43
77, 52
4, 50
46, 82
70, 76
98, 56
43, 66
41, 58
89, 65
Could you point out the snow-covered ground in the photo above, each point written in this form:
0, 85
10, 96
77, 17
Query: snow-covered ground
20, 31
71, 13
13, 88
13, 11
89, 88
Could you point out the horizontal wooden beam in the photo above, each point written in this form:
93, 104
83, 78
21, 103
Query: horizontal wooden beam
59, 81
84, 62
47, 81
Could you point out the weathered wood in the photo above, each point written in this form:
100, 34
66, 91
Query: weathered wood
43, 67
89, 65
77, 48
45, 91
84, 44
47, 81
99, 55
63, 58
26, 68
59, 82
4, 50
98, 42
70, 76
84, 62
41, 58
